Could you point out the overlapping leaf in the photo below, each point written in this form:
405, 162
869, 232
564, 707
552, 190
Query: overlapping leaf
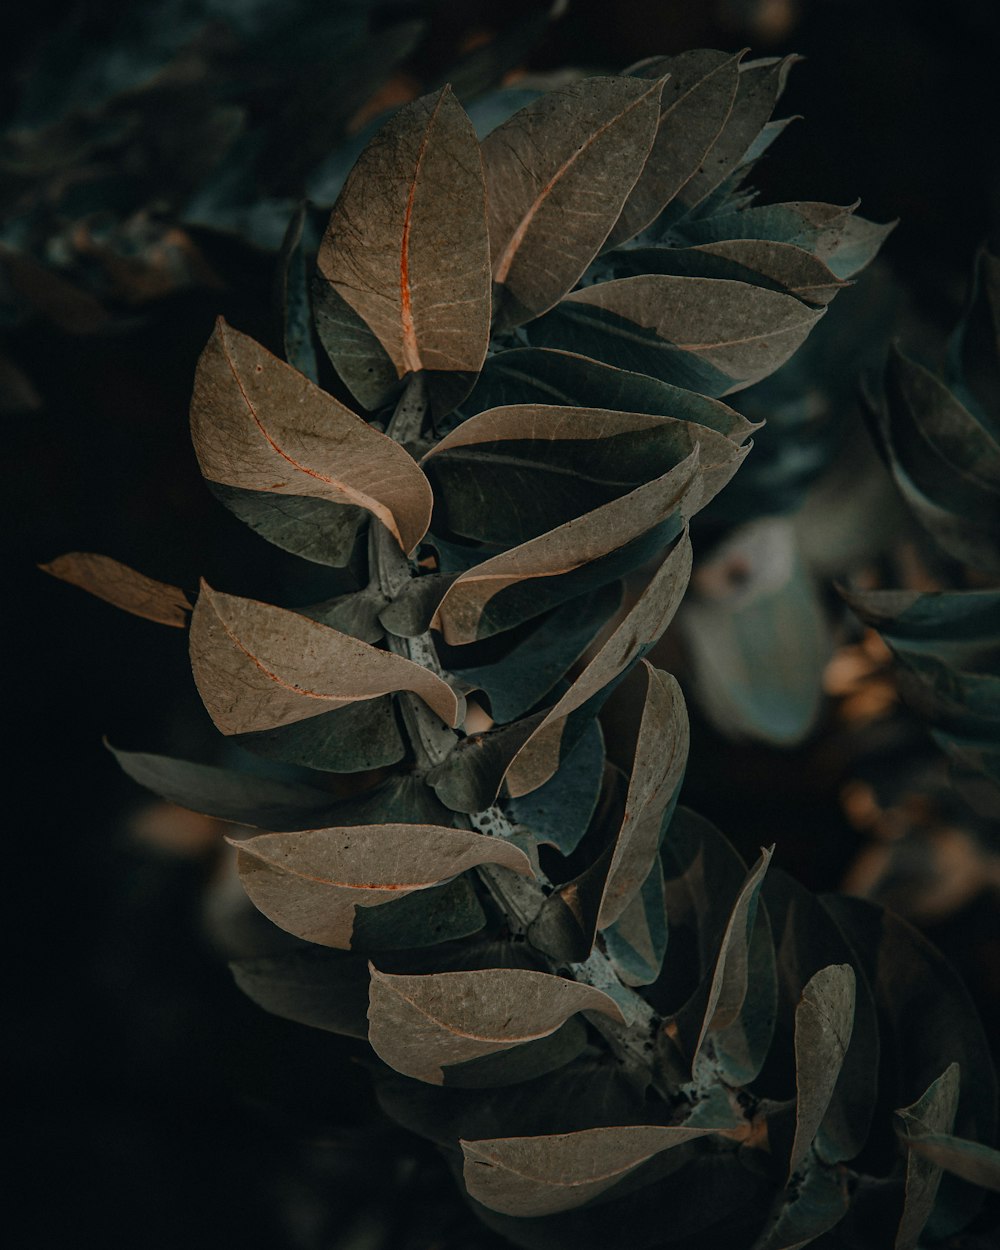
711, 335
260, 426
259, 667
933, 1112
122, 586
407, 269
310, 883
557, 175
424, 1025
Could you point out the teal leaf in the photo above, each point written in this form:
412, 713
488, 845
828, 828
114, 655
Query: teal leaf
636, 942
816, 1202
347, 739
316, 986
314, 529
559, 812
294, 259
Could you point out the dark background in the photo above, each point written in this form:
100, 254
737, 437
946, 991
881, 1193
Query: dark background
155, 1106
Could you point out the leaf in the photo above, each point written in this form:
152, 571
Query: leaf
259, 425
322, 988
757, 636
730, 983
539, 375
694, 107
293, 293
523, 582
421, 1025
557, 175
259, 667
410, 612
637, 941
313, 529
537, 761
411, 262
310, 883
597, 898
711, 335
559, 812
972, 1161
933, 1112
352, 738
817, 1203
531, 1176
510, 474
824, 1021
356, 613
774, 266
541, 654
227, 794
121, 586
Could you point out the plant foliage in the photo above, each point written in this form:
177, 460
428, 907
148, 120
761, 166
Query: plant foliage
574, 986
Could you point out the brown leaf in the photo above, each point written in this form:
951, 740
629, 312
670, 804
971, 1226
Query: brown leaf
118, 584
258, 424
460, 613
557, 174
407, 246
310, 883
741, 331
422, 1024
531, 1176
257, 667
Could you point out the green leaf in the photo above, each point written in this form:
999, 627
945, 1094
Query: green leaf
509, 474
314, 529
541, 654
122, 586
637, 941
259, 425
756, 636
410, 265
260, 667
300, 242
933, 1112
695, 105
356, 613
442, 913
824, 1022
310, 883
352, 738
531, 1176
421, 1025
410, 612
319, 987
712, 335
557, 175
559, 812
521, 583
538, 375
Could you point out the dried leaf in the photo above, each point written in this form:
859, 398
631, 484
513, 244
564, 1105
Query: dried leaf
411, 263
971, 1160
933, 1112
420, 1025
557, 175
469, 609
818, 1201
259, 425
696, 104
824, 1021
258, 667
310, 883
117, 584
531, 1176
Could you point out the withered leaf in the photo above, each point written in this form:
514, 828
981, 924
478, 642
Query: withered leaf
260, 425
530, 1176
310, 883
258, 667
714, 335
117, 584
407, 252
933, 1112
696, 103
463, 614
971, 1160
557, 174
824, 1021
421, 1025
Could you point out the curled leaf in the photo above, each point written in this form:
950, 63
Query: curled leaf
259, 425
121, 586
258, 667
933, 1112
422, 1025
310, 883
